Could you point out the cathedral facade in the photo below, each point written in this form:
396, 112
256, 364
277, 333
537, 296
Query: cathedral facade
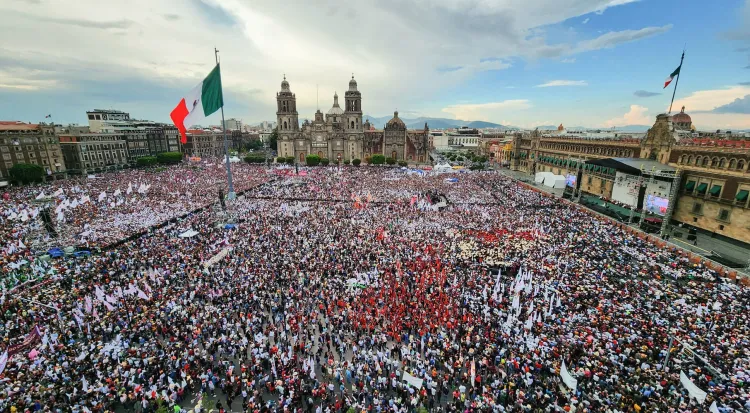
341, 135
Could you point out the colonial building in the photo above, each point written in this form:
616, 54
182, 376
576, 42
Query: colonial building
204, 143
340, 133
143, 137
93, 152
32, 144
714, 183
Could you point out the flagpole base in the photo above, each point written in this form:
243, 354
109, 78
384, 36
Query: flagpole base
232, 196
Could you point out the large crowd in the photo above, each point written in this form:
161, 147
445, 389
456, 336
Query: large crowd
348, 290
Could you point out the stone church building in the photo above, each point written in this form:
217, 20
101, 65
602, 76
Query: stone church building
340, 134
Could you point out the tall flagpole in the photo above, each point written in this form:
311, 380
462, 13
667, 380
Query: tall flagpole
231, 194
676, 82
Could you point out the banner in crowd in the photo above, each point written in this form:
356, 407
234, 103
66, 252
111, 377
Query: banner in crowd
32, 338
413, 381
216, 258
694, 391
569, 380
3, 362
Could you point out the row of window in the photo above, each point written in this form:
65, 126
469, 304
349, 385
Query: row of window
594, 150
723, 215
713, 190
715, 162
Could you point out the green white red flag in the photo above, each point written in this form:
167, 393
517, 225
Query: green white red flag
202, 101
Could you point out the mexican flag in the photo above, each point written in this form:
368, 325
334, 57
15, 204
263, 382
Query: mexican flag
672, 76
202, 101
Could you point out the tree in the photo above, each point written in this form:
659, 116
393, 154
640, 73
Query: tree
346, 162
402, 163
169, 158
312, 160
146, 161
390, 161
253, 145
290, 160
26, 173
377, 159
356, 162
273, 140
325, 161
255, 159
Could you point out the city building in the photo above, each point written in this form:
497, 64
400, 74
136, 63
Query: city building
204, 143
143, 137
233, 124
710, 168
340, 133
464, 137
93, 152
101, 119
439, 140
32, 144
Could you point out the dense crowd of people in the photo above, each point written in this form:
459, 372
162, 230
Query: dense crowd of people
347, 290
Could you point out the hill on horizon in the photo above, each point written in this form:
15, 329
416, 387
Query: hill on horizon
432, 123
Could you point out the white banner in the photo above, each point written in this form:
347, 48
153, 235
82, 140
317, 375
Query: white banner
714, 408
569, 380
216, 258
3, 361
692, 389
411, 380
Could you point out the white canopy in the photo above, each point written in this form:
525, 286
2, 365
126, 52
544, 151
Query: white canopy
540, 176
189, 233
554, 181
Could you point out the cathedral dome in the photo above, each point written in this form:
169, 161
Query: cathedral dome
682, 117
352, 85
284, 85
396, 122
336, 109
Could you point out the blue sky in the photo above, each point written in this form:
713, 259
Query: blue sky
467, 59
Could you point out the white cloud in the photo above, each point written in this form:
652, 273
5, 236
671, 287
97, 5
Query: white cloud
707, 100
557, 83
486, 111
586, 20
637, 115
394, 47
612, 39
569, 60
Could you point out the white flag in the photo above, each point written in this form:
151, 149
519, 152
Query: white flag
143, 295
569, 380
694, 391
3, 361
102, 196
714, 408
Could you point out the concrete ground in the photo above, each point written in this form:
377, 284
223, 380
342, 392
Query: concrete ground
706, 245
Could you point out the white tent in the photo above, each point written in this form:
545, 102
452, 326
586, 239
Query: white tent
188, 234
541, 176
554, 181
443, 168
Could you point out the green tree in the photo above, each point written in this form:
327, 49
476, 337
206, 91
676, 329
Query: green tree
253, 145
255, 159
273, 140
403, 163
356, 162
390, 161
347, 162
26, 173
146, 161
312, 160
289, 160
325, 161
377, 159
169, 158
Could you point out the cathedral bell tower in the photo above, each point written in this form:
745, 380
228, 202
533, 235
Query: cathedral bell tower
353, 110
287, 118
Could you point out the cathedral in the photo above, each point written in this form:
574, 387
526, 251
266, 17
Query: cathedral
341, 134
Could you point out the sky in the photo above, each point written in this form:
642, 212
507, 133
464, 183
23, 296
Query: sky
593, 63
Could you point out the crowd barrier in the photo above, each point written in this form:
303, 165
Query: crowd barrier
729, 273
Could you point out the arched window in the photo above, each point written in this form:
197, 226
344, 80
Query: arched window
705, 162
741, 164
690, 160
352, 124
698, 160
714, 162
284, 124
732, 164
682, 159
723, 163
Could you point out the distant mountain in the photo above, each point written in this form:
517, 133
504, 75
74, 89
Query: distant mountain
546, 127
627, 128
432, 123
